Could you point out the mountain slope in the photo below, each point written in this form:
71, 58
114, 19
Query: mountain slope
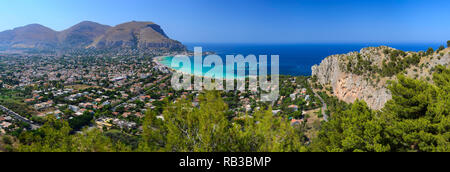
82, 34
136, 35
30, 36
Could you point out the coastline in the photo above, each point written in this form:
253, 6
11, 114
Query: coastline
157, 60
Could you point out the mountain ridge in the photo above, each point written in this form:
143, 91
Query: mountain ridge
87, 34
136, 35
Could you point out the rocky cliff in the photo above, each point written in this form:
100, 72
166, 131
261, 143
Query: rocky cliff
363, 75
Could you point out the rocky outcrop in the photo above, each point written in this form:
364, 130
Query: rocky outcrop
347, 86
350, 87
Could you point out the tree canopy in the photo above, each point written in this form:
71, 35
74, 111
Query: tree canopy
207, 129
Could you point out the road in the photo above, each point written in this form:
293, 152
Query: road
324, 105
18, 117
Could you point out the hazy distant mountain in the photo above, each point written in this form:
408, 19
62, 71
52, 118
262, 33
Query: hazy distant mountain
6, 37
136, 35
131, 35
30, 36
82, 34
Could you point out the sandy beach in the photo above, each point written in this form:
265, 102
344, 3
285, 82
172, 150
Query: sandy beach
157, 60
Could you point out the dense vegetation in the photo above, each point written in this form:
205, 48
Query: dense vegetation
396, 62
399, 61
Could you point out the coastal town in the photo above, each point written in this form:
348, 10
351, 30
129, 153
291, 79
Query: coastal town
115, 92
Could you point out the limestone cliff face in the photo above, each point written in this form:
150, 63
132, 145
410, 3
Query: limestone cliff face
350, 87
347, 86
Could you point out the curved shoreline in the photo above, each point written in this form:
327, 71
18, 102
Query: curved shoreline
158, 60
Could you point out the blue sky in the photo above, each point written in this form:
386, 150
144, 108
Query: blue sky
250, 21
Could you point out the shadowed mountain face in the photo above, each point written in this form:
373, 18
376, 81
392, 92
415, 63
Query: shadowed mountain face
131, 35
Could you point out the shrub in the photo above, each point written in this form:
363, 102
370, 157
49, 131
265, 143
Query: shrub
430, 51
441, 48
7, 140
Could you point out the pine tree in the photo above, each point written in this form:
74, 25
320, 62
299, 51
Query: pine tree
191, 129
419, 113
354, 130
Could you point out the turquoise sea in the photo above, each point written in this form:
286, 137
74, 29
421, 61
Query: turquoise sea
294, 59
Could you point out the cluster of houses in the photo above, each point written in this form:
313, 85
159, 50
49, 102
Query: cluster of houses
96, 99
43, 105
73, 70
300, 94
5, 123
108, 123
